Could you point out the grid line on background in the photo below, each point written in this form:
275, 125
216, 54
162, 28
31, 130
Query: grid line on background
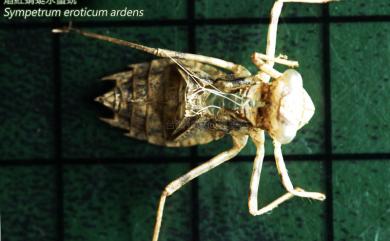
191, 22
58, 136
194, 150
157, 160
328, 121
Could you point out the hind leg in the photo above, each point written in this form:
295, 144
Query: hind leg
236, 69
238, 143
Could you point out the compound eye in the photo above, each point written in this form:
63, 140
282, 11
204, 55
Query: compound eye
308, 109
292, 79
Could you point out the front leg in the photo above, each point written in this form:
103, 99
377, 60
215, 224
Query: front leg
258, 138
281, 59
272, 33
286, 179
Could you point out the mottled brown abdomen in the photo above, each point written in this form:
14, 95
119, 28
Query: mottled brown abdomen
149, 101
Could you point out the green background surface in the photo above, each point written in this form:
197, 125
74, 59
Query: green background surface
105, 186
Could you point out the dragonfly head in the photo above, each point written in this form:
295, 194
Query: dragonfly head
288, 107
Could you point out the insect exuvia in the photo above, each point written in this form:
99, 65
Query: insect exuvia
186, 99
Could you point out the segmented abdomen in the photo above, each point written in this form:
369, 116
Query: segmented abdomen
149, 102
